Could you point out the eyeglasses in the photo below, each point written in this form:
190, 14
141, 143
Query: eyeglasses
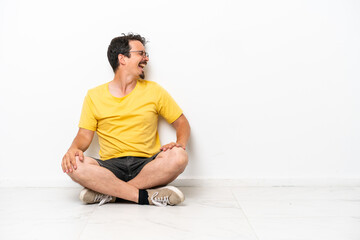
142, 53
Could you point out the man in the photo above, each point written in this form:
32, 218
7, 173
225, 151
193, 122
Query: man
124, 112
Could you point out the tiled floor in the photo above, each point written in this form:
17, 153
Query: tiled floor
219, 213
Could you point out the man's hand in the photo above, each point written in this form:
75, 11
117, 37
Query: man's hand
69, 160
171, 145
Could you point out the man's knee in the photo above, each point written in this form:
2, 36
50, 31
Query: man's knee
179, 158
76, 175
80, 172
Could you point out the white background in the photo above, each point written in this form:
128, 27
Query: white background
271, 88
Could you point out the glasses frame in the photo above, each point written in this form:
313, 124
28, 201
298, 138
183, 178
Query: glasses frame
142, 53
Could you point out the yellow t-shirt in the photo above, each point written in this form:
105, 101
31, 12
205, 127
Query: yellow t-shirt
127, 126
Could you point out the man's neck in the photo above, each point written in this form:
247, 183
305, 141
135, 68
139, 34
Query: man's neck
122, 84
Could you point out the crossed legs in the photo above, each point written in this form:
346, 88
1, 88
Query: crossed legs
165, 168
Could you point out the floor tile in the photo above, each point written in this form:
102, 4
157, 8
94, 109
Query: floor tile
208, 193
301, 208
307, 228
207, 213
296, 193
192, 221
37, 213
299, 202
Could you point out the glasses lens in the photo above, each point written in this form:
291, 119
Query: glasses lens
142, 53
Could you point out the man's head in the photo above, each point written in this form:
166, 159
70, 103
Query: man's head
128, 50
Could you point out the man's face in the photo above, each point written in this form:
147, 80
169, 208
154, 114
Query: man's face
138, 59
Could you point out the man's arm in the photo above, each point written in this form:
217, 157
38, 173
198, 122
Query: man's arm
81, 142
182, 128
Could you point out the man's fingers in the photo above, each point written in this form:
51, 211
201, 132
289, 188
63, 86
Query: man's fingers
70, 160
69, 168
81, 156
73, 163
67, 164
168, 146
70, 163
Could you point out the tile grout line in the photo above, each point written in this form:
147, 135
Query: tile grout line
247, 219
86, 223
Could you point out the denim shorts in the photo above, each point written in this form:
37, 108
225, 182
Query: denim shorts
126, 168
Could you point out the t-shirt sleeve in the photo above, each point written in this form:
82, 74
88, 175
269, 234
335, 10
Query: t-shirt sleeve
87, 118
167, 107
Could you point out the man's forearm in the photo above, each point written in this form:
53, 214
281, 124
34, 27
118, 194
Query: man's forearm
183, 133
81, 141
183, 136
182, 127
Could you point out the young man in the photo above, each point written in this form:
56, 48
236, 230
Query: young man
124, 112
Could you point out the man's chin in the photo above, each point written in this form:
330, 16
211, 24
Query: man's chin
142, 76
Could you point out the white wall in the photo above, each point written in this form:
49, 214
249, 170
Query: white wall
271, 88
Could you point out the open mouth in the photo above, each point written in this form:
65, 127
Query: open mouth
142, 65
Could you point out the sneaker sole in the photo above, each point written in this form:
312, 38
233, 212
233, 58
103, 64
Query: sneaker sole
177, 191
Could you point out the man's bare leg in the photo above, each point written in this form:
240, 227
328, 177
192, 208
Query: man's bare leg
165, 168
91, 175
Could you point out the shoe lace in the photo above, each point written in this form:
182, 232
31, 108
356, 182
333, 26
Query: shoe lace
102, 199
160, 201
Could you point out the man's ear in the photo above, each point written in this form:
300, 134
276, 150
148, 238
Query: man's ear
121, 59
